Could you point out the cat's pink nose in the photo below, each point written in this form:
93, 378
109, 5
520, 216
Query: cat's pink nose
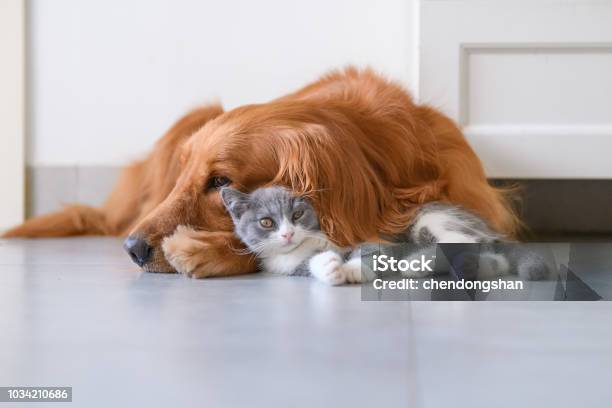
287, 235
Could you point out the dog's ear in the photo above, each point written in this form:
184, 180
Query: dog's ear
235, 201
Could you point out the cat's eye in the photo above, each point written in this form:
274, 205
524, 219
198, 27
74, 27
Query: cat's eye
217, 182
297, 215
266, 222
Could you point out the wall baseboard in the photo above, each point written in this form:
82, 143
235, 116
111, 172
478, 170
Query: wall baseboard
49, 188
548, 207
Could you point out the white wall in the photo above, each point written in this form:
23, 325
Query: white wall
12, 121
108, 77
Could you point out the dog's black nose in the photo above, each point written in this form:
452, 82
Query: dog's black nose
138, 249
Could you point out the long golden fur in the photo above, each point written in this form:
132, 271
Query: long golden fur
352, 141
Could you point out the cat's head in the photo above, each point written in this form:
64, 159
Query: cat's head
271, 220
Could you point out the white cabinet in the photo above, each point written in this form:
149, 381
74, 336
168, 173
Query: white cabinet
530, 81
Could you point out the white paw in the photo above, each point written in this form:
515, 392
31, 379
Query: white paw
327, 267
352, 271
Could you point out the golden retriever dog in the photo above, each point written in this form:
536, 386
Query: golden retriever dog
354, 142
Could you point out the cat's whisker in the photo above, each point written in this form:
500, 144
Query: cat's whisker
255, 249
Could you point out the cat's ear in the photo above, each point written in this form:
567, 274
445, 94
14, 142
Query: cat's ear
235, 201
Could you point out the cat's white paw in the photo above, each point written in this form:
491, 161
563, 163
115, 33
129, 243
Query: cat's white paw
327, 267
352, 271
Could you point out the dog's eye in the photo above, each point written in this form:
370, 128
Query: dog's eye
266, 222
218, 182
297, 215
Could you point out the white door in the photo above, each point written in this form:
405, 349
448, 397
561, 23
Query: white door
530, 81
12, 90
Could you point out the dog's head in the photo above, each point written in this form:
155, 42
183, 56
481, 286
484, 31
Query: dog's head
284, 143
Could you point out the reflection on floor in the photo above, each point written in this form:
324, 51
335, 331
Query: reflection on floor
76, 312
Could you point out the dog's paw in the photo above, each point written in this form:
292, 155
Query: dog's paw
181, 250
327, 267
205, 254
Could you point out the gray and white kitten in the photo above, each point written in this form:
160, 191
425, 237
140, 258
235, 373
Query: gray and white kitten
283, 231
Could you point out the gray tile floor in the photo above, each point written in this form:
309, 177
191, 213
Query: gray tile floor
76, 312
